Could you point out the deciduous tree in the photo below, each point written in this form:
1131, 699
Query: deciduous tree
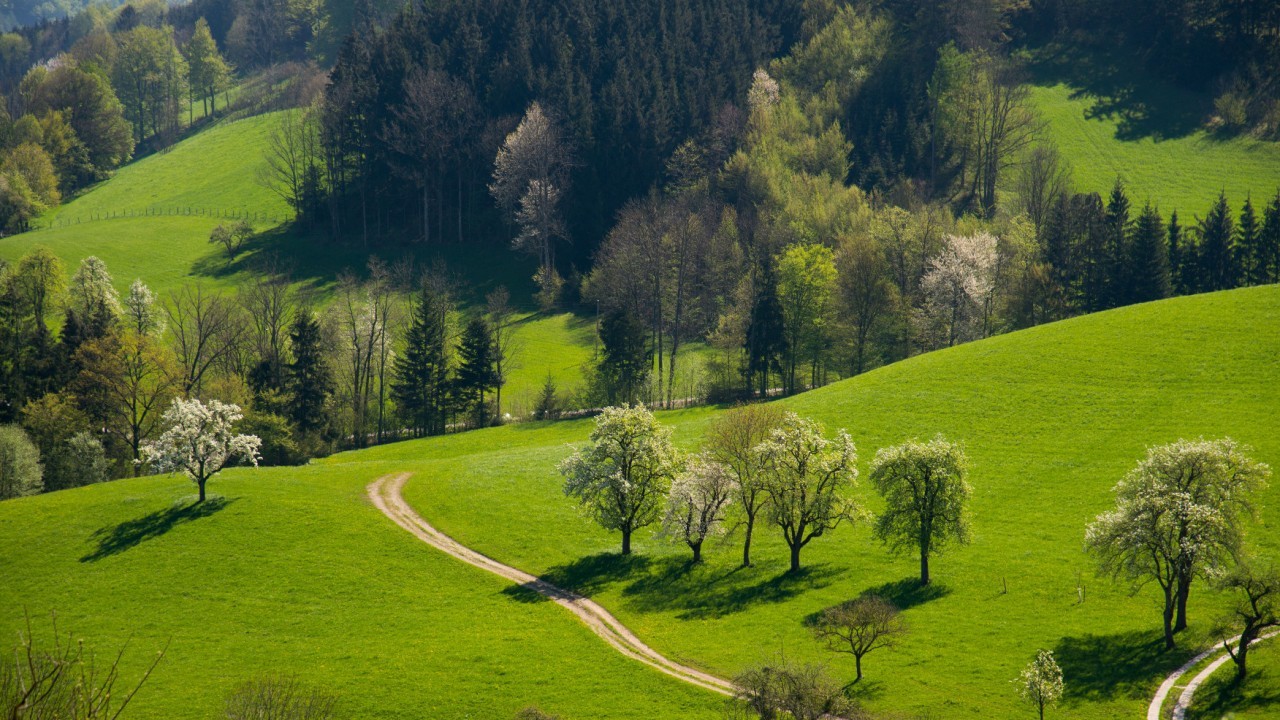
734, 440
697, 503
926, 491
199, 440
1256, 585
1041, 682
858, 626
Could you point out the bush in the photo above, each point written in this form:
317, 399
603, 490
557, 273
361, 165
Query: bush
279, 697
533, 713
278, 445
1232, 108
20, 471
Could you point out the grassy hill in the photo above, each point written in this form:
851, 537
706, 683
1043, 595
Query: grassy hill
295, 571
1109, 119
1051, 417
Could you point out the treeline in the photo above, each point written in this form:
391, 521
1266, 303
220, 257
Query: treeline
415, 112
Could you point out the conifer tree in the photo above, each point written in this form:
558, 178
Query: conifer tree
1252, 264
1149, 267
1217, 248
422, 373
1177, 257
766, 340
1117, 280
1269, 241
1059, 253
476, 373
626, 358
309, 380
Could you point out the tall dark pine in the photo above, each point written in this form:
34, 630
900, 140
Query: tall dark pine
421, 386
1058, 245
1217, 248
1252, 260
625, 359
1089, 223
308, 378
1149, 263
1178, 253
1269, 240
766, 340
1117, 279
476, 373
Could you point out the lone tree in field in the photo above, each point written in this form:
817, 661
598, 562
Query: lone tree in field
859, 626
1257, 589
926, 494
199, 440
697, 503
733, 441
1178, 514
1041, 682
621, 478
806, 475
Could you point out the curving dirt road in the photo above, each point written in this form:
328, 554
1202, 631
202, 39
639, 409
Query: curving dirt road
385, 495
1179, 710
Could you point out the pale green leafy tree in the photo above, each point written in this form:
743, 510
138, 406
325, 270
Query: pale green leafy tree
621, 478
697, 503
20, 471
807, 476
926, 490
1041, 682
1178, 514
806, 282
200, 440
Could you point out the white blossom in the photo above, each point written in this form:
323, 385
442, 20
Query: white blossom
199, 440
1041, 681
697, 502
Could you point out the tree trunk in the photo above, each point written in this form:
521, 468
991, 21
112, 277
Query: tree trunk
1184, 589
746, 543
1242, 653
1168, 617
626, 541
795, 558
924, 567
697, 551
200, 484
857, 663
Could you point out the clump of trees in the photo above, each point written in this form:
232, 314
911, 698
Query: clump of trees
1179, 515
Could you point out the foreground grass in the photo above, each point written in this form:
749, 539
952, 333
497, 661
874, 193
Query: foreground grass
292, 571
1051, 419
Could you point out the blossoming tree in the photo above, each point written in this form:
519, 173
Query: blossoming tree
199, 440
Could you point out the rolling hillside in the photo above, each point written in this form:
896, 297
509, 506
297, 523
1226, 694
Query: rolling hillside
1051, 417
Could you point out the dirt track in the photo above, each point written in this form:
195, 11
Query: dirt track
385, 495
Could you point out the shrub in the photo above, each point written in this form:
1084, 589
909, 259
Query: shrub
1232, 109
20, 471
279, 697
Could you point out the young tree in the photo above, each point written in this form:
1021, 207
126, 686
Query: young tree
807, 477
858, 626
20, 470
733, 441
199, 441
1248, 247
1116, 253
806, 280
1041, 682
476, 374
926, 491
207, 72
1256, 585
1178, 514
501, 314
697, 502
231, 238
621, 478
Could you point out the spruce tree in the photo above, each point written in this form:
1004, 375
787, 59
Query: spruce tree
1269, 241
1117, 282
1217, 252
1252, 261
1177, 256
421, 384
1058, 248
625, 360
308, 378
1149, 264
476, 373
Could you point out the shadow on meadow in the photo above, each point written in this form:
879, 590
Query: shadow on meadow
1122, 665
1226, 698
115, 539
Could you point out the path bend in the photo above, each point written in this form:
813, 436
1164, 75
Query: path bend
1180, 706
385, 494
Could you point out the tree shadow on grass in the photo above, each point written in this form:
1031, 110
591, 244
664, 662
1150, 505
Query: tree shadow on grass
593, 573
908, 592
115, 539
1122, 665
677, 584
1229, 697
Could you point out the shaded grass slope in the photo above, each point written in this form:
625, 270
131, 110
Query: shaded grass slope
1051, 418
